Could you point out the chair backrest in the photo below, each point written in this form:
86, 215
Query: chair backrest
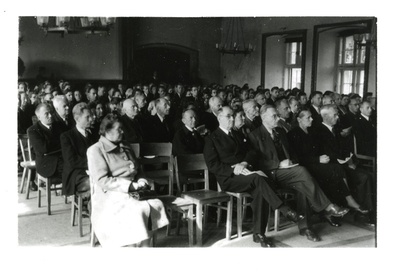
136, 149
25, 146
191, 162
156, 162
358, 155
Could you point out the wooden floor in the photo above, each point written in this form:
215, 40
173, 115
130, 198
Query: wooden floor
36, 228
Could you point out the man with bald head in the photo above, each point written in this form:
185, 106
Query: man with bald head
45, 139
187, 140
133, 132
160, 128
210, 118
228, 158
278, 160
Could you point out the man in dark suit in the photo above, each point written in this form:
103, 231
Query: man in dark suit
45, 139
210, 118
276, 159
61, 113
160, 125
361, 183
252, 115
365, 131
283, 110
315, 105
74, 144
187, 140
228, 159
133, 132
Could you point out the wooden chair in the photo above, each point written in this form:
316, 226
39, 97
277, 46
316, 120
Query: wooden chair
44, 185
202, 197
154, 157
371, 161
286, 195
28, 164
76, 207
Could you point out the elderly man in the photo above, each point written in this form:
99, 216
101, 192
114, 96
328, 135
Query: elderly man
74, 144
45, 139
187, 140
133, 132
61, 113
228, 158
277, 160
252, 116
160, 128
210, 118
283, 110
360, 181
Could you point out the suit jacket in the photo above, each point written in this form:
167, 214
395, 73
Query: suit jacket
317, 119
330, 144
365, 132
283, 124
47, 147
160, 132
304, 145
210, 121
249, 125
64, 127
133, 132
74, 147
187, 142
222, 151
263, 145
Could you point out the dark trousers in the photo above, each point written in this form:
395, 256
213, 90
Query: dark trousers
309, 194
362, 187
263, 194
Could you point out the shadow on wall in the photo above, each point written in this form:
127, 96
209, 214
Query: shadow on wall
53, 70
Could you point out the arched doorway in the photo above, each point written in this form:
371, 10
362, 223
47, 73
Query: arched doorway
173, 63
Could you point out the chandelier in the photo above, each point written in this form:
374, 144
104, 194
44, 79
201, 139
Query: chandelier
72, 25
233, 39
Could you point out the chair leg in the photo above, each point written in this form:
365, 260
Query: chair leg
93, 238
190, 225
269, 218
277, 218
28, 183
21, 187
170, 215
199, 225
244, 207
229, 219
39, 193
218, 215
239, 220
80, 205
73, 210
178, 225
48, 191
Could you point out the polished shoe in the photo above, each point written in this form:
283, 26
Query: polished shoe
263, 240
33, 186
333, 221
361, 210
337, 211
311, 235
293, 216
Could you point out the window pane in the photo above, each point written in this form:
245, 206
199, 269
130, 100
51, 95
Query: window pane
361, 83
296, 78
340, 50
347, 83
349, 50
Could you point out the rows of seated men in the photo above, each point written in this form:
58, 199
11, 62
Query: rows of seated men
239, 129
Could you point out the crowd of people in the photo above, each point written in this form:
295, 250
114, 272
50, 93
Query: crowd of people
293, 141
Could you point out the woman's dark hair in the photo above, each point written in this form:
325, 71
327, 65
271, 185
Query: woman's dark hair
107, 123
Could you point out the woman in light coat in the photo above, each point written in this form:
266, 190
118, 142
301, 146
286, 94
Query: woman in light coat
117, 218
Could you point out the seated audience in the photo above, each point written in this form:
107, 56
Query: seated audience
187, 140
133, 132
227, 157
160, 128
210, 118
252, 116
283, 110
61, 113
118, 218
277, 159
315, 105
365, 131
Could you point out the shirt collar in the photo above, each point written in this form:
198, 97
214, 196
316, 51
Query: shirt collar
316, 108
190, 129
328, 126
81, 131
46, 126
366, 117
224, 130
110, 146
161, 118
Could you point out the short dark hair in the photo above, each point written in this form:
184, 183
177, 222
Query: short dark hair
107, 123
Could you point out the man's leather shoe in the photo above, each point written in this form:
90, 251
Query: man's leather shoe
363, 219
333, 221
33, 186
293, 216
361, 210
263, 240
337, 211
311, 235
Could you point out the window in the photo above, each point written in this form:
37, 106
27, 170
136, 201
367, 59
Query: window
351, 63
293, 65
